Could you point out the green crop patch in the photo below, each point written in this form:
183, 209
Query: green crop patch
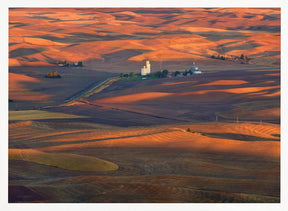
62, 160
38, 114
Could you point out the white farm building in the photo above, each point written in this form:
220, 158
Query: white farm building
194, 69
146, 69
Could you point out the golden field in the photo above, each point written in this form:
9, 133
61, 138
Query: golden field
158, 164
49, 35
94, 137
130, 143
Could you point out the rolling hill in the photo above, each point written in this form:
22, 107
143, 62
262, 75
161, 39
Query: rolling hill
48, 35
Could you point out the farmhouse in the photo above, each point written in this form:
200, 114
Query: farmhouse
146, 69
194, 69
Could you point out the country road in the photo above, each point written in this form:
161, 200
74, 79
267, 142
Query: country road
84, 94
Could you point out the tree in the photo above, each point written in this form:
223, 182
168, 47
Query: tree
49, 74
121, 75
80, 64
131, 74
188, 130
164, 73
185, 73
53, 75
246, 59
157, 74
176, 73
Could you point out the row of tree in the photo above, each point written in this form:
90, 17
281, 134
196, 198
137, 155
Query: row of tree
158, 74
127, 75
243, 59
51, 74
161, 74
218, 57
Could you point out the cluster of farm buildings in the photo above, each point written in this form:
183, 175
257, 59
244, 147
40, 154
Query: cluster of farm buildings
69, 64
146, 70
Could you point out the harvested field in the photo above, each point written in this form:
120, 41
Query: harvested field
91, 136
17, 90
224, 82
196, 98
171, 35
29, 89
139, 130
168, 140
146, 189
134, 98
150, 160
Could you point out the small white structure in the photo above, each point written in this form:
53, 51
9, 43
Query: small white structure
146, 69
194, 69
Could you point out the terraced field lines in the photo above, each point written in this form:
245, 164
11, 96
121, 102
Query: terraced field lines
259, 130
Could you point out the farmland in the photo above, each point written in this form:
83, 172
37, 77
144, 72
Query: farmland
90, 136
136, 126
29, 89
188, 167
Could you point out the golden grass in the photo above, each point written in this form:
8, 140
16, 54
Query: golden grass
167, 55
244, 90
17, 91
15, 78
263, 110
41, 42
175, 83
14, 62
62, 160
162, 46
263, 113
273, 74
224, 82
94, 135
264, 130
184, 141
38, 114
157, 188
20, 124
133, 97
273, 94
166, 137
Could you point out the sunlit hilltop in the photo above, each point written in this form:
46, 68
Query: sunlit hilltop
43, 36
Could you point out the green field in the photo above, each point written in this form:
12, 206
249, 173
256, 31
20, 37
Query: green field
62, 160
38, 114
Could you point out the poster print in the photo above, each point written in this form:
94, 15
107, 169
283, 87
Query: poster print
144, 105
